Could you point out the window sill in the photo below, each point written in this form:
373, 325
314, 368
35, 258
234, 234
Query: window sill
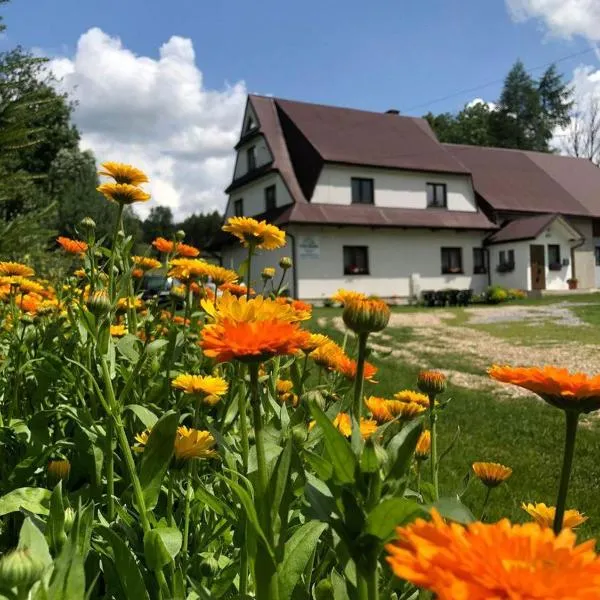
480, 272
355, 274
436, 207
453, 272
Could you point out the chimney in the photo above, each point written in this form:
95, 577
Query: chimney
392, 111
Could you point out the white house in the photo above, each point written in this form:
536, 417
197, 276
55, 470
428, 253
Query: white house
374, 202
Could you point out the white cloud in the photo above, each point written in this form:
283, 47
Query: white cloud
563, 18
156, 114
476, 101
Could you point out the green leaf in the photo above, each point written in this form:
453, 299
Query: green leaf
68, 577
320, 466
454, 510
161, 546
250, 510
369, 463
280, 479
402, 447
35, 500
154, 347
340, 590
204, 496
126, 565
340, 453
389, 514
147, 417
156, 457
128, 346
55, 525
33, 539
298, 551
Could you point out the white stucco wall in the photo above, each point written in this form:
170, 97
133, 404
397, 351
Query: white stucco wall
263, 156
395, 256
254, 195
556, 280
585, 261
520, 278
400, 189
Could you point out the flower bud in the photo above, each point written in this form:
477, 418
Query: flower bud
324, 590
69, 520
366, 315
423, 445
20, 568
299, 434
99, 303
58, 470
209, 567
285, 262
180, 235
268, 273
88, 223
431, 382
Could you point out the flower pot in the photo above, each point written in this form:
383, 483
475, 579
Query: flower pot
572, 283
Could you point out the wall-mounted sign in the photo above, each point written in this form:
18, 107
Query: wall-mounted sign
308, 246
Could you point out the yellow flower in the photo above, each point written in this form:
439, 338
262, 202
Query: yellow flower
410, 396
193, 443
268, 273
124, 304
257, 234
221, 275
491, 474
285, 394
146, 263
343, 423
209, 388
123, 173
229, 307
59, 470
118, 330
343, 296
544, 515
123, 193
142, 440
188, 269
79, 273
24, 285
13, 268
379, 409
423, 445
315, 341
404, 410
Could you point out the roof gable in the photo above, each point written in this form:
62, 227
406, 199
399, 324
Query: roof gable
530, 228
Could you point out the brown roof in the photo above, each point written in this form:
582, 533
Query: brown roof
374, 216
517, 180
526, 228
345, 135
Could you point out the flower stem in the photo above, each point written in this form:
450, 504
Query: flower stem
433, 457
359, 380
249, 279
571, 422
110, 470
170, 518
258, 433
189, 492
243, 429
111, 262
485, 503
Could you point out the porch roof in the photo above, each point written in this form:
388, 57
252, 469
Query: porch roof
528, 228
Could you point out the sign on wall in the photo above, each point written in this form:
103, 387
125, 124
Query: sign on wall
308, 246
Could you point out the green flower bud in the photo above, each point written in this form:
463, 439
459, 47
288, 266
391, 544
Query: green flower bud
69, 520
431, 383
19, 568
209, 567
324, 590
88, 223
99, 303
268, 273
366, 315
180, 235
285, 263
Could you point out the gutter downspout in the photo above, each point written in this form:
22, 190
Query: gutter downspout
573, 248
294, 264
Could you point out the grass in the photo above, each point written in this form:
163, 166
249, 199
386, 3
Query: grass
525, 434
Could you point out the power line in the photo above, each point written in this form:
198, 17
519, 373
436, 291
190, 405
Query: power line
495, 82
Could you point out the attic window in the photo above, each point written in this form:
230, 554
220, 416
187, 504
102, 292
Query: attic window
250, 125
437, 195
251, 158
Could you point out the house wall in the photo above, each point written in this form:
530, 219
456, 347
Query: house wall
263, 156
556, 280
402, 263
254, 195
585, 262
520, 278
399, 189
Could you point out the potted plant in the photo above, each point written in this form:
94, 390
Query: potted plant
572, 283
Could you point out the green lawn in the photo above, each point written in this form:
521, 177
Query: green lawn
525, 434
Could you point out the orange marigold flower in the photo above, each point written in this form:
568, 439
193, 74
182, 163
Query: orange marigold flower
163, 245
558, 387
29, 303
423, 445
431, 382
315, 341
258, 234
137, 273
123, 173
251, 341
232, 308
302, 309
186, 251
327, 354
544, 515
124, 304
72, 246
343, 296
494, 561
236, 289
79, 273
404, 410
347, 367
491, 474
285, 392
25, 285
118, 330
145, 263
410, 396
8, 269
188, 269
343, 423
379, 409
209, 388
123, 193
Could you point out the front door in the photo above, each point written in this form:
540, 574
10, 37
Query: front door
538, 267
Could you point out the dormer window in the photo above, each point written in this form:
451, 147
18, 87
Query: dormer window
250, 125
437, 195
251, 158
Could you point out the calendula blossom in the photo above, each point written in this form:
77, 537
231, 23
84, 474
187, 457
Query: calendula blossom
343, 296
146, 263
190, 269
13, 268
193, 443
123, 193
236, 290
72, 246
268, 273
257, 234
544, 515
343, 423
491, 474
221, 275
576, 392
118, 330
315, 341
423, 445
497, 561
123, 173
431, 382
410, 396
163, 245
207, 387
231, 308
285, 393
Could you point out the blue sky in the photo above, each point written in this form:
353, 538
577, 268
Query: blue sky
370, 55
163, 84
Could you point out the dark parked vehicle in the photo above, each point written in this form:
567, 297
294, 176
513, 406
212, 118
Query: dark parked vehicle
158, 287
